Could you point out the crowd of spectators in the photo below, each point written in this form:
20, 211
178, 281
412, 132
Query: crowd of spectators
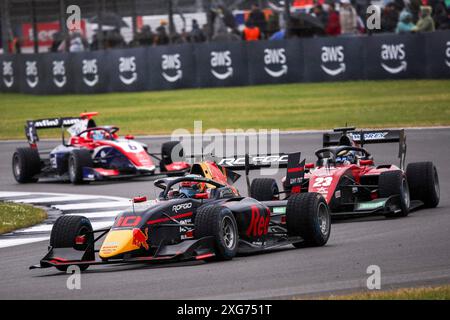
329, 17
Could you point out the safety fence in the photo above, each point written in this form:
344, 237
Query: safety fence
384, 56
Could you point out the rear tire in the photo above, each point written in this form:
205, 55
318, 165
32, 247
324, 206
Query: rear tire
219, 223
264, 189
166, 153
423, 181
26, 165
392, 183
64, 232
308, 216
78, 159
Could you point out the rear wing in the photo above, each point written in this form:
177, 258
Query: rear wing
363, 137
32, 126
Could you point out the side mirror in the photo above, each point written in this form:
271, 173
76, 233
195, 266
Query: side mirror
309, 165
366, 162
129, 137
139, 199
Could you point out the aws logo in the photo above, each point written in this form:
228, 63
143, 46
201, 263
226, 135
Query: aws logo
171, 66
127, 70
59, 73
31, 73
90, 72
221, 64
8, 73
447, 54
333, 55
275, 58
393, 53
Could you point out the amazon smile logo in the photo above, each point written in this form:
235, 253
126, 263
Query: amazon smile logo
221, 64
447, 54
393, 58
31, 72
59, 73
127, 70
8, 73
333, 60
275, 62
90, 70
171, 67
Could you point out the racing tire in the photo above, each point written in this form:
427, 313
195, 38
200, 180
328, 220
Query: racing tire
423, 181
64, 232
166, 153
78, 159
308, 216
219, 223
26, 165
264, 189
392, 183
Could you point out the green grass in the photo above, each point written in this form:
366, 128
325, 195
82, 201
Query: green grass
15, 216
291, 106
422, 293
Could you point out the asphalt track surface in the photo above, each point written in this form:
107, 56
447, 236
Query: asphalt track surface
410, 251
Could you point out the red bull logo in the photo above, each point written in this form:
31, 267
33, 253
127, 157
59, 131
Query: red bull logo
140, 238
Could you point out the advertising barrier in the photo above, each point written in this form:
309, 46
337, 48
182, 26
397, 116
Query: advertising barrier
380, 56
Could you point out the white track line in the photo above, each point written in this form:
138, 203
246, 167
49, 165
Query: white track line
92, 205
93, 215
48, 227
4, 243
56, 199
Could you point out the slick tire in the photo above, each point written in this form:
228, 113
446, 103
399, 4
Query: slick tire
219, 223
264, 189
26, 165
423, 181
393, 183
64, 232
308, 216
78, 159
167, 149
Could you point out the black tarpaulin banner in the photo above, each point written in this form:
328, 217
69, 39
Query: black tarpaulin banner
390, 56
32, 73
127, 69
437, 53
333, 59
171, 67
221, 64
90, 71
10, 77
275, 61
58, 78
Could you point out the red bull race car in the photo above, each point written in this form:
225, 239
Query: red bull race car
346, 176
194, 218
91, 153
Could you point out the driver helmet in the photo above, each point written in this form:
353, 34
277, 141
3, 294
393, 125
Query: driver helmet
191, 188
346, 157
98, 135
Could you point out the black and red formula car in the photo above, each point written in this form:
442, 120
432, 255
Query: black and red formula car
92, 153
194, 218
346, 176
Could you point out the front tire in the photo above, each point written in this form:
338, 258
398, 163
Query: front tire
78, 159
308, 216
219, 223
423, 181
264, 189
393, 183
26, 165
64, 232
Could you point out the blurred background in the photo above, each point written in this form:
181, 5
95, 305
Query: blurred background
31, 26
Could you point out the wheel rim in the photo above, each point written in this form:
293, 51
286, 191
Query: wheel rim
228, 233
437, 189
324, 218
16, 166
406, 198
